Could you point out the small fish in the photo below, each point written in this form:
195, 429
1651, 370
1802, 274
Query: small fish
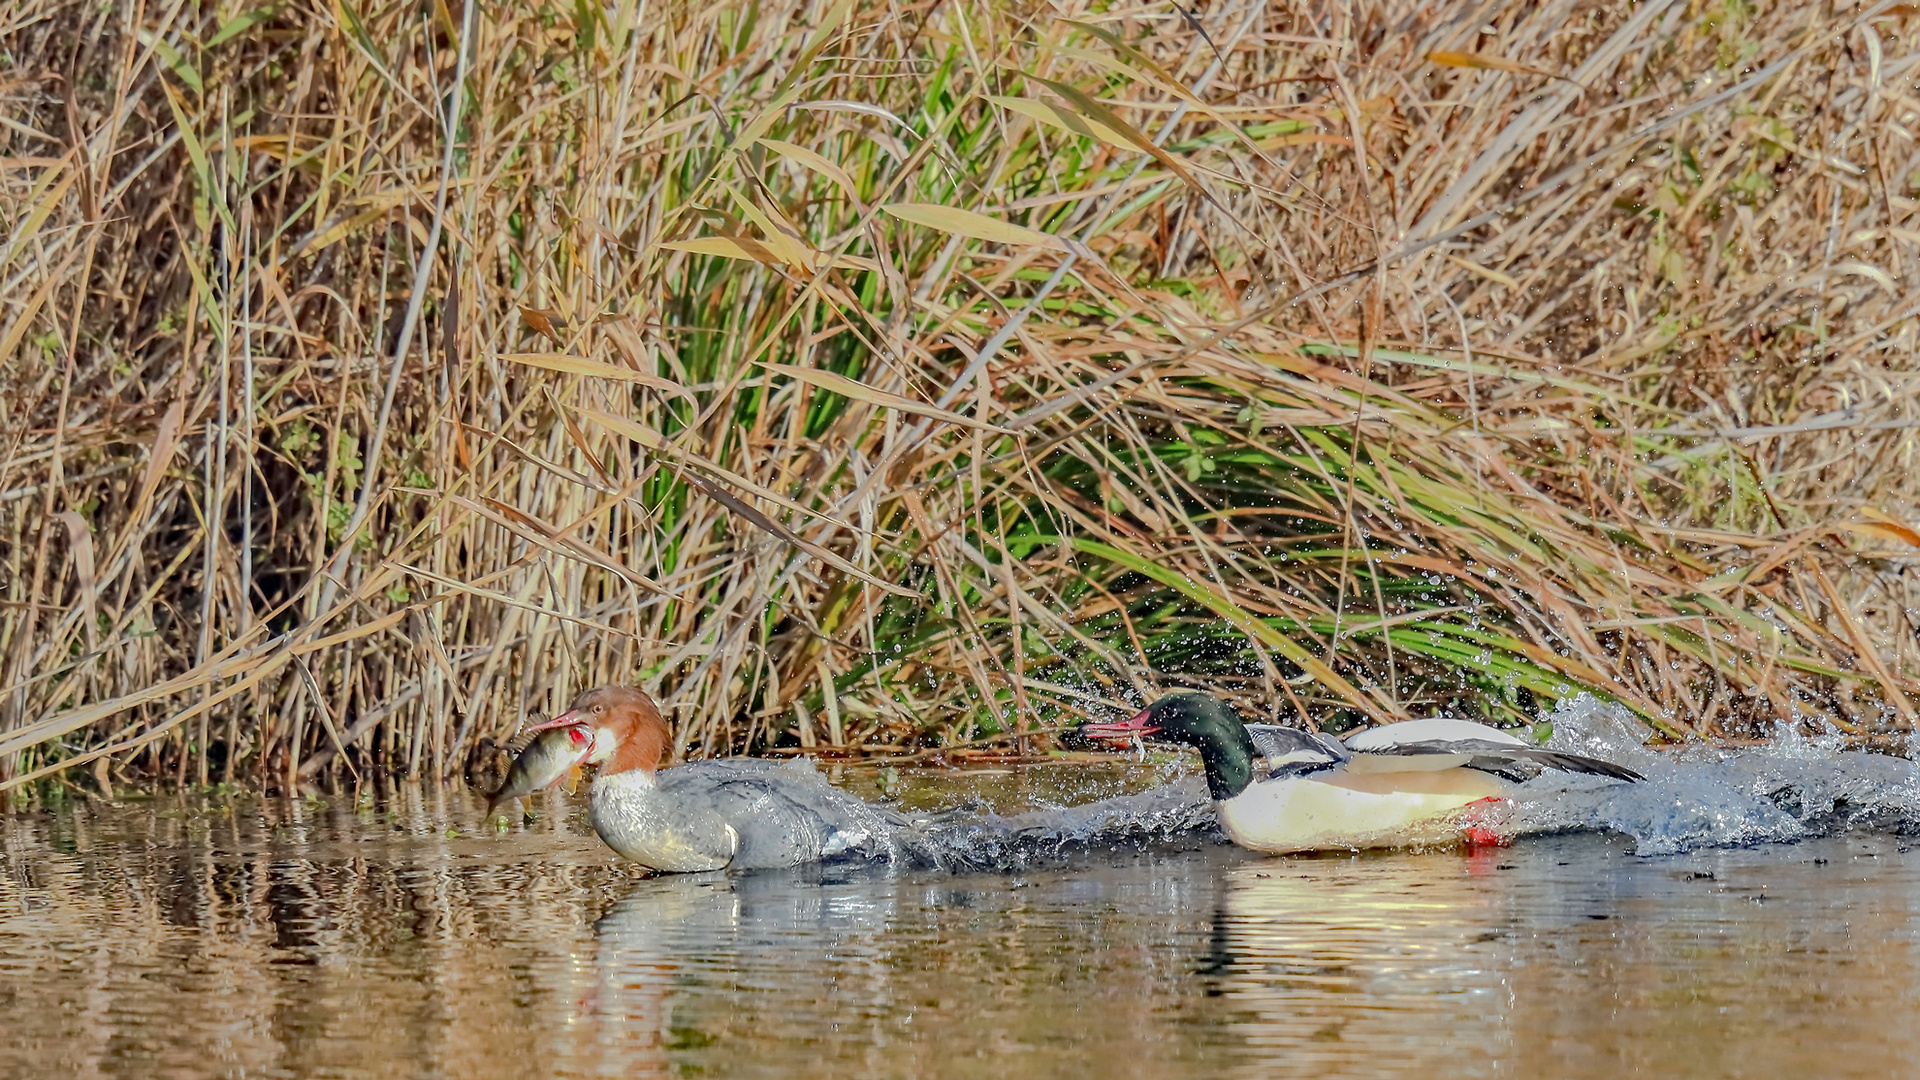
545, 762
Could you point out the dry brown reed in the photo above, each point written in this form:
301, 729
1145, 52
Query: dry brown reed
912, 375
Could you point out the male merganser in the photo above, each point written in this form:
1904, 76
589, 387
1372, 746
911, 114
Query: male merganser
1389, 786
709, 815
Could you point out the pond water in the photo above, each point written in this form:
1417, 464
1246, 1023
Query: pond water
393, 936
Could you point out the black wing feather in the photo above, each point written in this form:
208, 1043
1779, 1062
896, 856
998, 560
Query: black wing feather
1293, 752
1495, 757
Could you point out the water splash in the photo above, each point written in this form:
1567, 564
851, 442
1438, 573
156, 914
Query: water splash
1698, 797
1180, 812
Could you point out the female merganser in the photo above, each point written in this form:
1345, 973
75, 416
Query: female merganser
709, 815
1386, 787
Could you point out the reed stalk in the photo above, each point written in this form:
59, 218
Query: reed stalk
922, 375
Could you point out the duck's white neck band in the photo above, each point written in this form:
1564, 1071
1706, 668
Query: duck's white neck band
627, 780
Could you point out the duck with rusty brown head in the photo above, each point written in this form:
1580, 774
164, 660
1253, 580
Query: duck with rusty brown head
739, 813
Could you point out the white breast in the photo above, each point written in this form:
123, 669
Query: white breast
646, 826
1340, 810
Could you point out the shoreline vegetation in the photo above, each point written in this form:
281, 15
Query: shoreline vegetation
918, 376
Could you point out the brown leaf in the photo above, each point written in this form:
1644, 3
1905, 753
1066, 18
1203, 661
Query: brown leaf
1885, 526
1487, 62
547, 322
80, 542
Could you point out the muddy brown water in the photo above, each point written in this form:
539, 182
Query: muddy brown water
394, 937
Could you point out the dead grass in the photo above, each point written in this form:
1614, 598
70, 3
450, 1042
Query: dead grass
905, 377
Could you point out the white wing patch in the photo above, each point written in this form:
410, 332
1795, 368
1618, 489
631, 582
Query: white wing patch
1436, 730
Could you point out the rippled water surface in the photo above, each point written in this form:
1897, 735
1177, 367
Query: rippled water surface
393, 937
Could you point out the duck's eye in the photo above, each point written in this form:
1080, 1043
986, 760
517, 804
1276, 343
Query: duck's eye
599, 709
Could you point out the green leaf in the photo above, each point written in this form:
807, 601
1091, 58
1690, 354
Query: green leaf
177, 63
241, 23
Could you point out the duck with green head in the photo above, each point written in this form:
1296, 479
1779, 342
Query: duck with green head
1284, 790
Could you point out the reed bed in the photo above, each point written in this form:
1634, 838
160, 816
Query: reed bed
895, 378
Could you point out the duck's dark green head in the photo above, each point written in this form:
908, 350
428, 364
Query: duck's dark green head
1201, 721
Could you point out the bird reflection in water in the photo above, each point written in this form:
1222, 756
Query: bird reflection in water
683, 962
1338, 959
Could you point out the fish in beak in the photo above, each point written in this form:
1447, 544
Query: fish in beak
555, 751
